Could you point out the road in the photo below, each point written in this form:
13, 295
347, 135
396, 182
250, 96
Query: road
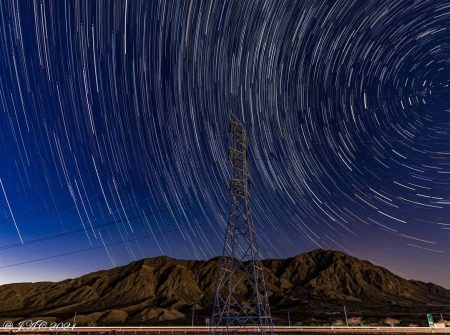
203, 330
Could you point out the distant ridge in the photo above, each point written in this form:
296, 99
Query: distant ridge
312, 286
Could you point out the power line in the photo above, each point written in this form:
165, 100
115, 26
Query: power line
94, 248
80, 230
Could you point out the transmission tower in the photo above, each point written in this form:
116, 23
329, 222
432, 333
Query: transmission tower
240, 298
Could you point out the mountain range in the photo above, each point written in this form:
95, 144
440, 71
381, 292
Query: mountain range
312, 288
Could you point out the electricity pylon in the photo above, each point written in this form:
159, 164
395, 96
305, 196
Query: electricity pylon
240, 298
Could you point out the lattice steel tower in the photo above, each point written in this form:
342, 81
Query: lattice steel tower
240, 298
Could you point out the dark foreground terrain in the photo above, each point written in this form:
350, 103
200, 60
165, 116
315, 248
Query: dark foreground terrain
311, 287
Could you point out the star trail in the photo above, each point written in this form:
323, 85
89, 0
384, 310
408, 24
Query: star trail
114, 131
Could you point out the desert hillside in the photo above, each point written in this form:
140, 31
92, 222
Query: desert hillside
312, 287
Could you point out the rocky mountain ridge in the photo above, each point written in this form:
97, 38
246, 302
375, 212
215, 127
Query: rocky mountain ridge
165, 290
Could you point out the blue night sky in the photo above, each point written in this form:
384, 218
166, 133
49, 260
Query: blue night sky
114, 131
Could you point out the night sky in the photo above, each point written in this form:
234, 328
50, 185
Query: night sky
114, 131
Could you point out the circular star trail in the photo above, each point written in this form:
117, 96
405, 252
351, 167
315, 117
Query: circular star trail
114, 130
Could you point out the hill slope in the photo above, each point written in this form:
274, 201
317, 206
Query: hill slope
311, 286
